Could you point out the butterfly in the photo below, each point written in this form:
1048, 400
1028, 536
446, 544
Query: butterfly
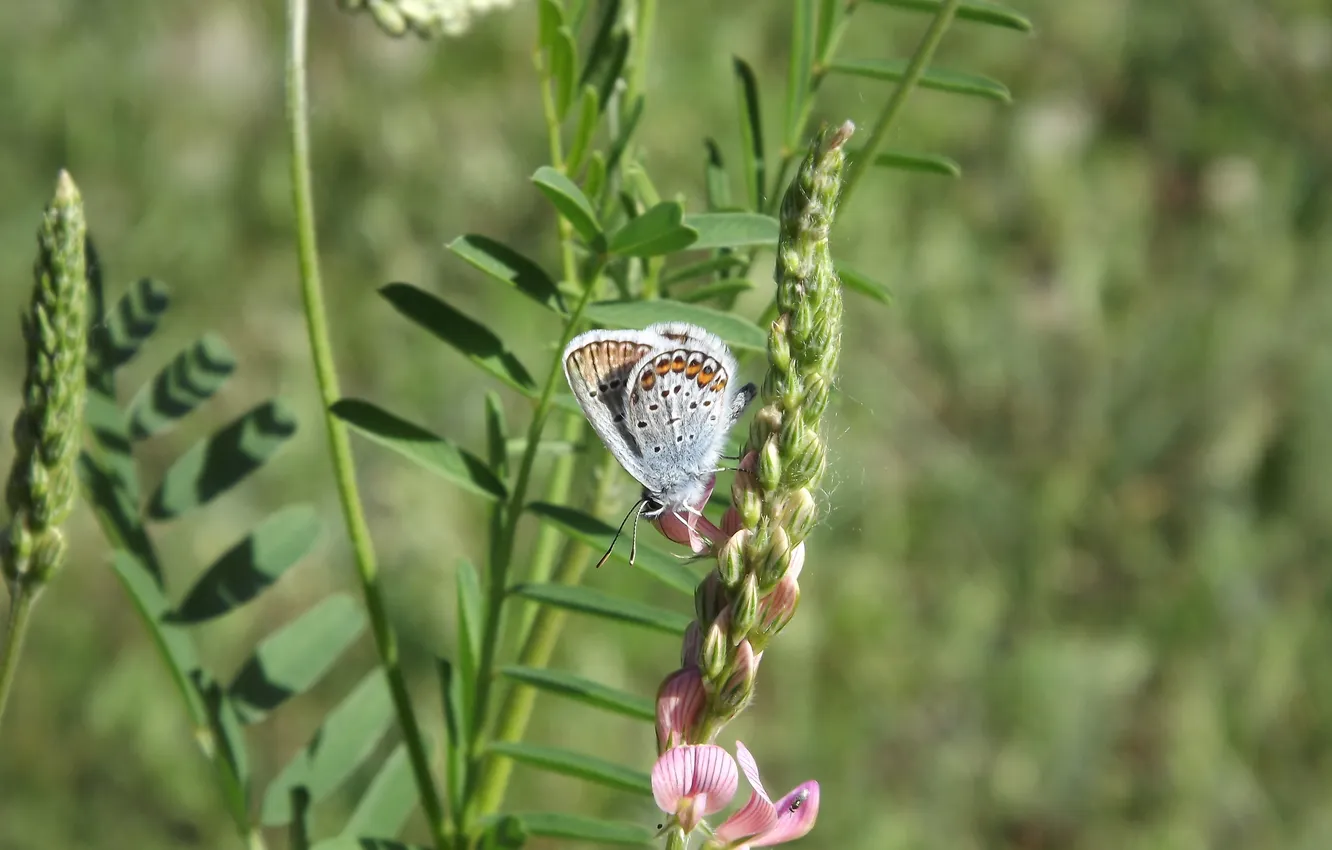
662, 400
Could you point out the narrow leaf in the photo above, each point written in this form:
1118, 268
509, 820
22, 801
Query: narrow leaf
717, 182
505, 264
584, 690
656, 232
732, 229
577, 765
721, 289
613, 69
550, 17
739, 332
134, 319
858, 282
497, 454
980, 11
562, 60
290, 661
601, 42
576, 828
419, 445
249, 567
456, 733
585, 600
588, 113
721, 263
503, 833
801, 68
357, 842
225, 738
831, 13
571, 203
220, 462
471, 612
597, 535
933, 78
389, 800
347, 738
751, 133
928, 163
628, 124
187, 382
477, 342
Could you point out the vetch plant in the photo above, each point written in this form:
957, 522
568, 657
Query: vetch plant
629, 255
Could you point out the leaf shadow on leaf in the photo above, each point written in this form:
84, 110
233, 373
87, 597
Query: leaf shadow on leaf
190, 379
226, 458
135, 318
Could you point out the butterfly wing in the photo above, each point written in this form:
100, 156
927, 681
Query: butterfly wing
681, 406
598, 365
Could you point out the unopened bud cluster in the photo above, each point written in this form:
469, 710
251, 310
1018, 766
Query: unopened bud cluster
40, 489
754, 592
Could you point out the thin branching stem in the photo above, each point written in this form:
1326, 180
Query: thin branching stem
321, 350
864, 158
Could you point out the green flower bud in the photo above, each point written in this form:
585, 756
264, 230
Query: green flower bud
709, 598
776, 560
715, 644
799, 513
745, 608
770, 465
731, 560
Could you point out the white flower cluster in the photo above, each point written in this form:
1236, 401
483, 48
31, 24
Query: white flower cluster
426, 18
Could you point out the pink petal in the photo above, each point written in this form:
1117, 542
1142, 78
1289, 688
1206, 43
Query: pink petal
750, 767
702, 770
680, 529
796, 813
756, 817
797, 562
715, 775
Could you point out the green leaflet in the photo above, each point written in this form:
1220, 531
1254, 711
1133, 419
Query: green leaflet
291, 660
214, 465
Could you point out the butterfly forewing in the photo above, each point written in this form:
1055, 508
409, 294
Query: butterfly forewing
598, 366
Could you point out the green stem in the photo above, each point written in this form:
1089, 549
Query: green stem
20, 608
321, 350
548, 538
499, 569
919, 61
516, 710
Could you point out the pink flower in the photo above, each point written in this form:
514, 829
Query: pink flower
689, 527
762, 823
691, 782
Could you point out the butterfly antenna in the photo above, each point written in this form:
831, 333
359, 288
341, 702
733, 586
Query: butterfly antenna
633, 547
632, 512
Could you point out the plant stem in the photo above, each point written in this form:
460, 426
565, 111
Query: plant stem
919, 61
516, 710
20, 608
321, 350
498, 579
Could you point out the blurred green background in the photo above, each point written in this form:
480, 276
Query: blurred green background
1073, 587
